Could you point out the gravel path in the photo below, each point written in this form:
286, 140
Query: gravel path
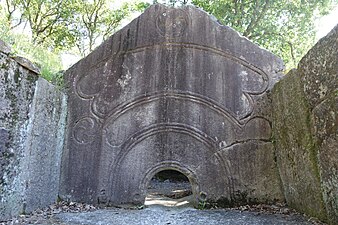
154, 214
172, 216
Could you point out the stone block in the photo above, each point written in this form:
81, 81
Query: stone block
32, 122
296, 148
171, 90
44, 146
305, 126
4, 48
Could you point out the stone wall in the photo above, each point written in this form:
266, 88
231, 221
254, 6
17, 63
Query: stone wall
32, 122
173, 89
305, 125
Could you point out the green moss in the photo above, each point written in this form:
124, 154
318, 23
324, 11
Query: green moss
296, 148
308, 141
4, 66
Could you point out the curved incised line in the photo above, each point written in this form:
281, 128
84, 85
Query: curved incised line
189, 46
213, 50
211, 104
160, 128
148, 175
172, 165
251, 103
168, 127
78, 90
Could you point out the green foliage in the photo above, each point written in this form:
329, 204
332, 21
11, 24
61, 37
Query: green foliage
96, 20
99, 19
62, 25
140, 6
284, 27
50, 21
49, 62
55, 26
201, 205
5, 30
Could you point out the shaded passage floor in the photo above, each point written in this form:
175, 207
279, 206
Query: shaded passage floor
184, 216
164, 215
169, 192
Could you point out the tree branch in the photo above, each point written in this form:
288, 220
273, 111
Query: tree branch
255, 20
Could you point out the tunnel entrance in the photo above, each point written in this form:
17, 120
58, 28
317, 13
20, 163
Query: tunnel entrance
169, 188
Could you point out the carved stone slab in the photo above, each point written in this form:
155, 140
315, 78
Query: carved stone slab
172, 90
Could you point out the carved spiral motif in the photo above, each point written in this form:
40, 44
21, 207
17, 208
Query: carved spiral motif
85, 130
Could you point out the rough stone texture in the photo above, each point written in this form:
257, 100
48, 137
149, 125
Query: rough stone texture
16, 93
44, 145
172, 90
253, 173
32, 118
305, 126
4, 48
27, 64
296, 148
319, 73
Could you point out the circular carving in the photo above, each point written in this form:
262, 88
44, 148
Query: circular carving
101, 106
137, 197
172, 22
202, 196
102, 198
85, 130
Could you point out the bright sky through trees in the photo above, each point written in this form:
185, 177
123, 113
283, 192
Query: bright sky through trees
323, 26
86, 23
326, 23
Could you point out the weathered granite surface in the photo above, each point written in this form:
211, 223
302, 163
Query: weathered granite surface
319, 73
305, 126
172, 90
44, 145
4, 48
32, 119
295, 147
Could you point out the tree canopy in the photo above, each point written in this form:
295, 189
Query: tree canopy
63, 24
53, 27
285, 27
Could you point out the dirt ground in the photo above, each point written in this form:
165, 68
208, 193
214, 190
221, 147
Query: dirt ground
167, 203
160, 210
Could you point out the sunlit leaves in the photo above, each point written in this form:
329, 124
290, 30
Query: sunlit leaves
285, 27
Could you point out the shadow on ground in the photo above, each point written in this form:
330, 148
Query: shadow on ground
164, 215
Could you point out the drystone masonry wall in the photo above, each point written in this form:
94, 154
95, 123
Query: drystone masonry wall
305, 125
172, 90
32, 121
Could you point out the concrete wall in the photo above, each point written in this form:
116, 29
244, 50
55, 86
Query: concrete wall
32, 122
305, 126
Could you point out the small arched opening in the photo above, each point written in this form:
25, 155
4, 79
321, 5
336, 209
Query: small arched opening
171, 188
